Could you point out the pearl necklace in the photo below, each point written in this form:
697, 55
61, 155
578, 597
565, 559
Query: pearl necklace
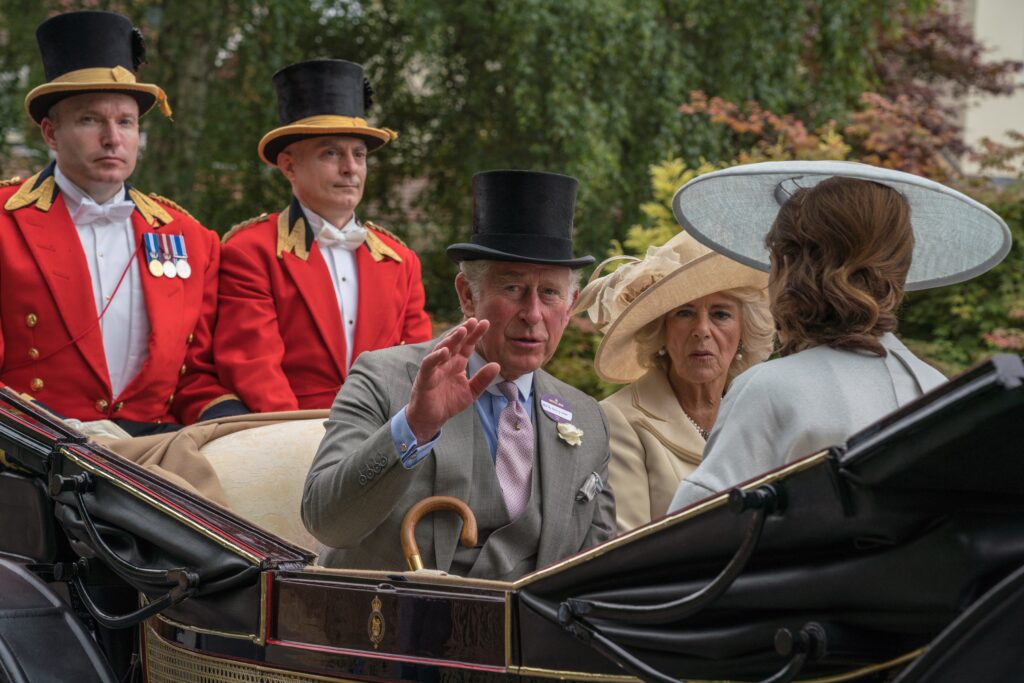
700, 430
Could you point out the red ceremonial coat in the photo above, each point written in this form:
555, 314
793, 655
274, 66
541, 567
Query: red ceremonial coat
279, 342
51, 346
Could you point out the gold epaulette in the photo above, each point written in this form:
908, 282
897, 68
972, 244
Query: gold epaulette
171, 203
42, 197
374, 226
244, 224
10, 181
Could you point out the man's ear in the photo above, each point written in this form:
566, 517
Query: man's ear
286, 164
465, 293
47, 127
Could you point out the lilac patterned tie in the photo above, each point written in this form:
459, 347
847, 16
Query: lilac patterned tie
514, 459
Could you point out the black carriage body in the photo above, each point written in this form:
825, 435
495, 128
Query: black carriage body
900, 551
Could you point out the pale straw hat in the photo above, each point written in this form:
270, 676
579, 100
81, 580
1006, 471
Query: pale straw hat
622, 303
955, 237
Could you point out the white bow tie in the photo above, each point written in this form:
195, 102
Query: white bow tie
350, 238
89, 212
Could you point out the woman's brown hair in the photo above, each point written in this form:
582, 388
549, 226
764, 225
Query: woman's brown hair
840, 254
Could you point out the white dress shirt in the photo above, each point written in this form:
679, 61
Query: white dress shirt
341, 263
108, 243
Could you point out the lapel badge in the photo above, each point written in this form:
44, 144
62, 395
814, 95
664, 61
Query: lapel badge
180, 255
556, 408
375, 624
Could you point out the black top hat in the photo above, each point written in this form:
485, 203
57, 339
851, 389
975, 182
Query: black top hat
321, 97
522, 216
87, 52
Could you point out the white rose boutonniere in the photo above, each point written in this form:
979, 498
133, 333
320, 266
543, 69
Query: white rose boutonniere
569, 433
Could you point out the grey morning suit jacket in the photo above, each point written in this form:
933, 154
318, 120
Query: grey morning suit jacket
357, 490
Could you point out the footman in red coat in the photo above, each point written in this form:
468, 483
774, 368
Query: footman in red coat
305, 290
107, 294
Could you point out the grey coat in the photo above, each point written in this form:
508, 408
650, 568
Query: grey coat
784, 409
357, 490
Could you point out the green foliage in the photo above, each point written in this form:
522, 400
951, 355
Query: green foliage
574, 362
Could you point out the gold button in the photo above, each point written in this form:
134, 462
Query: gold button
184, 369
33, 353
170, 400
191, 337
102, 405
118, 406
36, 384
31, 319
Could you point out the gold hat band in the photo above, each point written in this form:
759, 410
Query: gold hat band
102, 78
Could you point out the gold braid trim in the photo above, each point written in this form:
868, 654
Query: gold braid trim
237, 227
10, 181
374, 226
379, 249
41, 196
171, 203
151, 211
291, 237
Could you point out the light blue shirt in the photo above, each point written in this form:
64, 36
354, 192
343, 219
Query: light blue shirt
488, 407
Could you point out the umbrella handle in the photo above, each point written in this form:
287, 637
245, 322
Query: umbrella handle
425, 507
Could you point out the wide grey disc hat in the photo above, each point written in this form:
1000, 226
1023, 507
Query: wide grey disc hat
731, 210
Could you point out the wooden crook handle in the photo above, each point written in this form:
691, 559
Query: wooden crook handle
425, 507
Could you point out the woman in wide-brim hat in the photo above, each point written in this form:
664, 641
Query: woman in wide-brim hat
678, 326
843, 241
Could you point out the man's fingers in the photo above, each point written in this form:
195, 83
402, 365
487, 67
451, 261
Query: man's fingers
473, 334
433, 360
483, 378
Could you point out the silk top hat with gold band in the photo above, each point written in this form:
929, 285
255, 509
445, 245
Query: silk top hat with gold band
731, 210
91, 52
622, 303
321, 97
522, 216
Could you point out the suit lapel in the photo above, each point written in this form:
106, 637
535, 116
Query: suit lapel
558, 464
313, 280
375, 280
164, 298
54, 243
452, 477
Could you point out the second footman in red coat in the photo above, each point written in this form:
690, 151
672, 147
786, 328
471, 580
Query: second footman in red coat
305, 290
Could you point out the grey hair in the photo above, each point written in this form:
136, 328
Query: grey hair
475, 271
756, 333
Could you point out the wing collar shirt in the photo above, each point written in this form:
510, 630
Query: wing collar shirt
338, 249
108, 243
488, 407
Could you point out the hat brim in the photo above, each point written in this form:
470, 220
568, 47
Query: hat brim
42, 98
616, 358
731, 210
465, 251
274, 142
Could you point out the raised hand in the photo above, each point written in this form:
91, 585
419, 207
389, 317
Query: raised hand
441, 389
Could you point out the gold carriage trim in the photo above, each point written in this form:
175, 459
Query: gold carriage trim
170, 663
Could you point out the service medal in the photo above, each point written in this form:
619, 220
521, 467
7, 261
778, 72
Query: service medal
156, 269
180, 256
165, 252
